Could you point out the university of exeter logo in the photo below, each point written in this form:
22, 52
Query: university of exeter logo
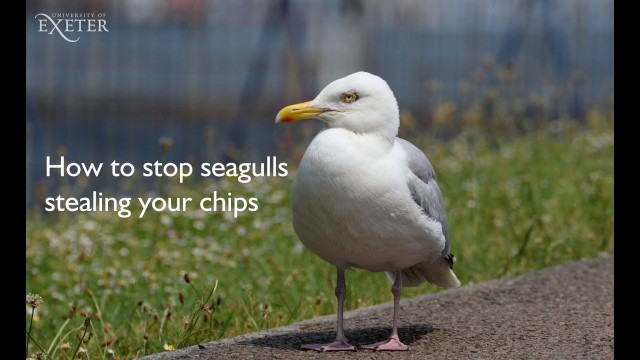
71, 25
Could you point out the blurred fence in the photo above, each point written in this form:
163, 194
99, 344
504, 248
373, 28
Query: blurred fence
211, 75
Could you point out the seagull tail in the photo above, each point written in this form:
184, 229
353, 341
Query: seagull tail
438, 273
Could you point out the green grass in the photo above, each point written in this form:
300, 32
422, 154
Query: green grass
513, 207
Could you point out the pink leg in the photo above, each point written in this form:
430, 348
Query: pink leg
393, 343
340, 343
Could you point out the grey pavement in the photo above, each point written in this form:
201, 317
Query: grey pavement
561, 312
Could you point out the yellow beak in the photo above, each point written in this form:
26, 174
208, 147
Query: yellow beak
297, 112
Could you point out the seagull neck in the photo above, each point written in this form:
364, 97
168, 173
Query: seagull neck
387, 138
383, 141
381, 138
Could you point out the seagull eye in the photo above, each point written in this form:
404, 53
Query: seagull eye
348, 97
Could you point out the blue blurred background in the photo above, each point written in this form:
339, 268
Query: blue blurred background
206, 78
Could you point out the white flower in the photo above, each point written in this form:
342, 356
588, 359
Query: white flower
34, 300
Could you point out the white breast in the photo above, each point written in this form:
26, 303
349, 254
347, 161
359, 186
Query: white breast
351, 205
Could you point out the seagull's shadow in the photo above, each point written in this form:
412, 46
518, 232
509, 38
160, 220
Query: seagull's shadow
408, 335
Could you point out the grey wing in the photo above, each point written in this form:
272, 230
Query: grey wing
425, 191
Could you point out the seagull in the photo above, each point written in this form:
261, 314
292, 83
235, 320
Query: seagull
364, 198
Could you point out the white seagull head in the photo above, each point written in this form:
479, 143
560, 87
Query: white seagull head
361, 102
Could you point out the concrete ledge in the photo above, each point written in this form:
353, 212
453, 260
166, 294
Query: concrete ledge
561, 312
